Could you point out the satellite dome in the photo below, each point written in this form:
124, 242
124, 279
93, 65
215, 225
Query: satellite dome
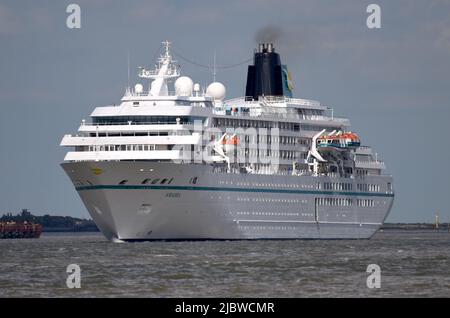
216, 90
184, 86
138, 88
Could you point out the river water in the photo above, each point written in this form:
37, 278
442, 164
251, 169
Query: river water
412, 263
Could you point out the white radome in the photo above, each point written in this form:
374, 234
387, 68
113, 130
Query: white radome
184, 86
138, 88
216, 90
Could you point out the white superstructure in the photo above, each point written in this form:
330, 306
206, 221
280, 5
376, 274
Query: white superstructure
187, 164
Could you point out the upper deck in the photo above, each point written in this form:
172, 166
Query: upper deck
163, 125
265, 108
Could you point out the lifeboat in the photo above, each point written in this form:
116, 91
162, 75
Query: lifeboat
340, 141
229, 143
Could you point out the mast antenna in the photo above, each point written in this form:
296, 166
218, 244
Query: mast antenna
214, 67
166, 48
128, 69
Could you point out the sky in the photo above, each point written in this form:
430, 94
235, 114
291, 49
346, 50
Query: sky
393, 83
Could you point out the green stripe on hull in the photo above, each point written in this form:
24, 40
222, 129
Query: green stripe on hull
199, 188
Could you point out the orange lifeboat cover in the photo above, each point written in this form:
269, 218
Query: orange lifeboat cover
231, 141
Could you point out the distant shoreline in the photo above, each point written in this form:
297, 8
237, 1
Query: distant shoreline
414, 226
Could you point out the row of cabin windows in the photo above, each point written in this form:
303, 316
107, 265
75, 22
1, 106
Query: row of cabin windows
156, 180
229, 122
283, 154
368, 187
124, 147
179, 103
271, 213
131, 134
160, 181
318, 128
273, 185
309, 112
124, 120
270, 228
151, 181
283, 140
299, 111
245, 123
362, 172
337, 186
334, 201
365, 203
264, 199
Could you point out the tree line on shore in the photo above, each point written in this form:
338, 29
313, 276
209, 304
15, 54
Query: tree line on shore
52, 223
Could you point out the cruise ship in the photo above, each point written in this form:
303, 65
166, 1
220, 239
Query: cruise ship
175, 160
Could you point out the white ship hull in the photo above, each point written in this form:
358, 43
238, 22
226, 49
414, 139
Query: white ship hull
222, 206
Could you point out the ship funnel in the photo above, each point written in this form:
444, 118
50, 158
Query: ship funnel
267, 77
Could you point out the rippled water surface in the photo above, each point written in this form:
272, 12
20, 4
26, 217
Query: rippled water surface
412, 264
